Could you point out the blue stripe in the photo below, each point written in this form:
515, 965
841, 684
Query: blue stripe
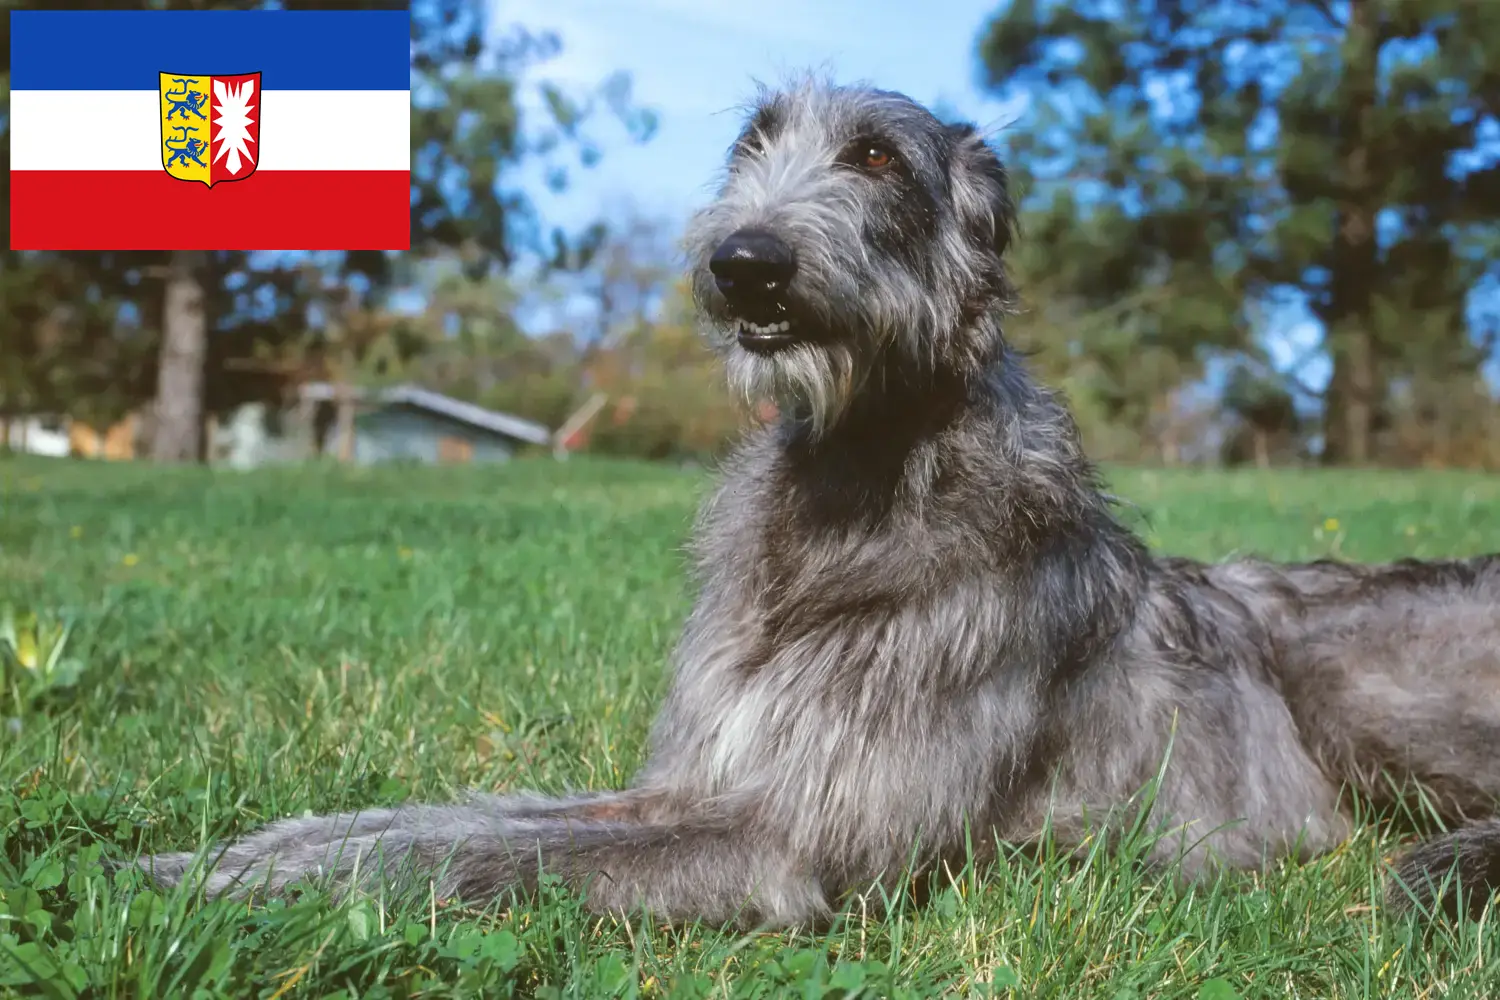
293, 50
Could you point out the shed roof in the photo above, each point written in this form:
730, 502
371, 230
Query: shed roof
435, 402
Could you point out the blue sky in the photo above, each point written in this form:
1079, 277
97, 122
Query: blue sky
695, 60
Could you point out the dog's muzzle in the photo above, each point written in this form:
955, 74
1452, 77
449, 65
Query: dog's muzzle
753, 270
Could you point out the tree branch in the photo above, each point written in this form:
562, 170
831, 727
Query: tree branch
1323, 8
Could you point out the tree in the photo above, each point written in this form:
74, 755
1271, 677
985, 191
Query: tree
63, 348
622, 273
667, 396
1229, 153
474, 350
1265, 418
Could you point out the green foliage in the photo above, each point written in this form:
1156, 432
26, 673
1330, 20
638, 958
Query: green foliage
1187, 161
34, 659
669, 399
672, 417
467, 137
60, 346
321, 639
548, 398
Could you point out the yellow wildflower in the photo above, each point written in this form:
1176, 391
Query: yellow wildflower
1332, 524
130, 559
26, 651
76, 531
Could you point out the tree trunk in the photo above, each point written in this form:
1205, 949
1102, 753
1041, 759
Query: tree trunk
1355, 391
1262, 449
307, 426
178, 431
345, 394
1354, 394
346, 424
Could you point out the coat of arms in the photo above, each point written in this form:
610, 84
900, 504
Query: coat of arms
210, 126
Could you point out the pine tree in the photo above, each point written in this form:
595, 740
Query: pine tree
1214, 156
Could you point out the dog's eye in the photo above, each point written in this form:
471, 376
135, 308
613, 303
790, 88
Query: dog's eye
869, 155
877, 158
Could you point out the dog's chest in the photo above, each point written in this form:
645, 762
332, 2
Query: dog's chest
849, 722
861, 772
792, 714
816, 676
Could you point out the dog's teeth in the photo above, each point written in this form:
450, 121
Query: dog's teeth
782, 327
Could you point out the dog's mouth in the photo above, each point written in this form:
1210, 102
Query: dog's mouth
766, 338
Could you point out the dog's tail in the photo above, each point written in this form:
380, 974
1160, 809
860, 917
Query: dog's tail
1454, 874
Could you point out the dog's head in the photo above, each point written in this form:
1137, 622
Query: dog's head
853, 230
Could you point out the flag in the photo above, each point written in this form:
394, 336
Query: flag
210, 130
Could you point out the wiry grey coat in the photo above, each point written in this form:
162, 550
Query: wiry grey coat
921, 627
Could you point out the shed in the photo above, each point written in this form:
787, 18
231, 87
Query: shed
409, 423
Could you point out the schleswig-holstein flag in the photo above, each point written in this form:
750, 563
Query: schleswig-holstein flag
210, 130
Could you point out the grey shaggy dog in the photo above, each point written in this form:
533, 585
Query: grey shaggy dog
921, 630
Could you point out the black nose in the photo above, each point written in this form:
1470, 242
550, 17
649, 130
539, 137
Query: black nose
752, 265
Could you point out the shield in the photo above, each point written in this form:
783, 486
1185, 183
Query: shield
210, 126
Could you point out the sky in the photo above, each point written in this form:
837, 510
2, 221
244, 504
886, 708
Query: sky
695, 61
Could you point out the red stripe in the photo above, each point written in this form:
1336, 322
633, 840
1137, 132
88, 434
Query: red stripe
269, 210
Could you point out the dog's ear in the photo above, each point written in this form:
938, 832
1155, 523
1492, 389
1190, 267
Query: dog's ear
981, 189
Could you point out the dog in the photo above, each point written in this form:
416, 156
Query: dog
921, 629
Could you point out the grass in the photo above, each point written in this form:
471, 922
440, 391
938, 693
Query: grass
256, 645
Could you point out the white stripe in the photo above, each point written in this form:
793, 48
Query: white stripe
121, 130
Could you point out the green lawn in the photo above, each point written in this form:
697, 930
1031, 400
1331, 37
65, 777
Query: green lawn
256, 645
